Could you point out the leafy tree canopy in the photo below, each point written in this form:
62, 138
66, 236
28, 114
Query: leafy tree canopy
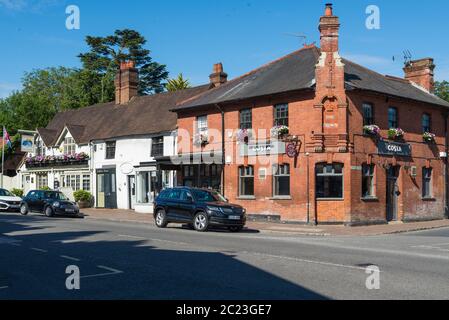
106, 53
442, 90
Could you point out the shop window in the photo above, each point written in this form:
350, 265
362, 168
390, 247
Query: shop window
42, 181
246, 181
281, 115
246, 119
69, 146
427, 183
281, 180
143, 187
157, 147
368, 173
110, 150
426, 123
393, 118
329, 181
368, 114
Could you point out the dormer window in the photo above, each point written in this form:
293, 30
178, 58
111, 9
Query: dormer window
69, 146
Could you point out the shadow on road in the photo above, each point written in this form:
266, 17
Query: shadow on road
149, 272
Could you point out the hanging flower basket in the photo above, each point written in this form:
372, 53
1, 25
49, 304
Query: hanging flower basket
396, 133
371, 130
428, 137
279, 132
201, 140
244, 135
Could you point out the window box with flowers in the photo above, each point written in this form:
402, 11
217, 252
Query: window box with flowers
63, 160
244, 135
428, 137
371, 130
396, 133
279, 132
201, 140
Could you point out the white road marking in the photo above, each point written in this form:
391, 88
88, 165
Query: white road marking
111, 272
39, 250
330, 264
70, 258
132, 237
15, 244
3, 288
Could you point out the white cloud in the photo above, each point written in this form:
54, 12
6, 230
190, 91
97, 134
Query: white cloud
7, 88
28, 5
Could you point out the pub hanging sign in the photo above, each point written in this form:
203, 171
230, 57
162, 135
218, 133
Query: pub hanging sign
389, 148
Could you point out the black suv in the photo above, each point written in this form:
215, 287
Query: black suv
48, 203
199, 208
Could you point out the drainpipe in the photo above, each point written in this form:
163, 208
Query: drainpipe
308, 187
223, 147
446, 177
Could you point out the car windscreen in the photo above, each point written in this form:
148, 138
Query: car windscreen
208, 196
5, 193
56, 196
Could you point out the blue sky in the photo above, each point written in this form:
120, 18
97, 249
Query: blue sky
189, 36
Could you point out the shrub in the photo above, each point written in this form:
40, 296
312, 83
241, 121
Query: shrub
82, 196
17, 192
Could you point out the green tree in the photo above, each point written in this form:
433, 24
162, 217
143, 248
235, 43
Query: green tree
178, 83
442, 90
106, 53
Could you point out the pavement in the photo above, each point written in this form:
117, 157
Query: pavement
129, 260
267, 227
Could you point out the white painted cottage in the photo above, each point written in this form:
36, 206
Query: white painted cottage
109, 149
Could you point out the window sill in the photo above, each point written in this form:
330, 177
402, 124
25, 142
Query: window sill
281, 198
246, 198
370, 199
330, 199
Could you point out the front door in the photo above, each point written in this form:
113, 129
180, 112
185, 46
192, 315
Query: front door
132, 191
106, 189
392, 194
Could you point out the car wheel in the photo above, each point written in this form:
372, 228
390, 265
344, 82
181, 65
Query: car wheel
235, 229
49, 212
201, 222
161, 219
23, 209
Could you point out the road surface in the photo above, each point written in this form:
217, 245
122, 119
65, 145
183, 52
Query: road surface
131, 261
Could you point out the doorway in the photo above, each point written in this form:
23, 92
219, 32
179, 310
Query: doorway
132, 192
106, 189
392, 193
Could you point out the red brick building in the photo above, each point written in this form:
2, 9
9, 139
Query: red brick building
339, 162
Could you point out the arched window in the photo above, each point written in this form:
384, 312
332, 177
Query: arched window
393, 118
329, 181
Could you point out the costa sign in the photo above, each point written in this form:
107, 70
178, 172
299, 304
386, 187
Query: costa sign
394, 148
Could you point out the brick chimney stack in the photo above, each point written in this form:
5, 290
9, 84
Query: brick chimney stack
218, 76
126, 82
330, 68
421, 72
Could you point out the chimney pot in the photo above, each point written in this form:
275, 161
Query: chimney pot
328, 12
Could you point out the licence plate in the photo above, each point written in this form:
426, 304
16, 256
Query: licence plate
234, 217
14, 206
70, 210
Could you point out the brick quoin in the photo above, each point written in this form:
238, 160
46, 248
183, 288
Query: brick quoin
328, 122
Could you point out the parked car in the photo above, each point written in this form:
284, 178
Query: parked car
199, 208
49, 203
8, 201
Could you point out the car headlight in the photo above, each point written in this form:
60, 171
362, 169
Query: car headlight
244, 211
214, 210
56, 204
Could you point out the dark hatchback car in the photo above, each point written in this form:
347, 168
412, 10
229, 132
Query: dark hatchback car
49, 203
198, 208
